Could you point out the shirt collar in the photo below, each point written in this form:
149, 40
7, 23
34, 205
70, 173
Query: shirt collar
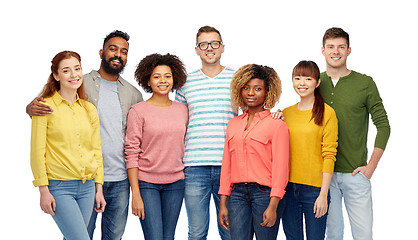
58, 99
260, 115
96, 76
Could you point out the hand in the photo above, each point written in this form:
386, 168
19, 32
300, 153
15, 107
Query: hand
138, 208
367, 171
277, 115
35, 108
269, 217
100, 201
223, 217
47, 201
321, 206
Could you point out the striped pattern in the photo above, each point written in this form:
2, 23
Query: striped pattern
209, 104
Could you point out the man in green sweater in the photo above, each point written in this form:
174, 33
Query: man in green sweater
354, 97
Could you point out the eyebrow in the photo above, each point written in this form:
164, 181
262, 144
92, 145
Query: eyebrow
113, 45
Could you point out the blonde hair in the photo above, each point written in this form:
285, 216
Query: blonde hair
272, 84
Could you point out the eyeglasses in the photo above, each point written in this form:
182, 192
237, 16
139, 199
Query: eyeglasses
205, 45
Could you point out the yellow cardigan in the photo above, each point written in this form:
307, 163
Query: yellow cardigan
65, 145
312, 147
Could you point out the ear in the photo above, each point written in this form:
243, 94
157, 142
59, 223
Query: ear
196, 50
348, 51
319, 82
323, 50
56, 77
100, 53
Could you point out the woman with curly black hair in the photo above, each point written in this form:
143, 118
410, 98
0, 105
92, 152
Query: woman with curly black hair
154, 146
256, 155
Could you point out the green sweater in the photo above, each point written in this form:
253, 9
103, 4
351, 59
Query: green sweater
353, 98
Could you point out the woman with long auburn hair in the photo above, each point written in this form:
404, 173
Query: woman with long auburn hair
313, 130
66, 156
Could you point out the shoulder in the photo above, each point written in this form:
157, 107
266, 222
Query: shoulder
180, 105
289, 109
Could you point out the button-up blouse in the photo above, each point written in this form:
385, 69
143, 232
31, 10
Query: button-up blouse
258, 154
65, 145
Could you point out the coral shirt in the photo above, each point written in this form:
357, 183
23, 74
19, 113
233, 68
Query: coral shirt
259, 154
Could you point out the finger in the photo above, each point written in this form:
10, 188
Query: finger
356, 171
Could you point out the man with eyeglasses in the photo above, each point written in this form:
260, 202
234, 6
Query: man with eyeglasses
207, 95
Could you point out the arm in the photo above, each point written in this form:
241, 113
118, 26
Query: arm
36, 108
133, 150
47, 200
369, 169
223, 213
270, 215
321, 203
380, 120
137, 203
100, 201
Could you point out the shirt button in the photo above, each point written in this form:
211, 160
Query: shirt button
332, 102
332, 94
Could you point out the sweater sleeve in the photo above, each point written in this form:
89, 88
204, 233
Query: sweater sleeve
378, 115
329, 141
280, 155
133, 139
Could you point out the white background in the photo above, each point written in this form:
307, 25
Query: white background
384, 46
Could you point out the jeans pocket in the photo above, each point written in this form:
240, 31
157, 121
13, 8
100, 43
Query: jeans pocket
263, 188
54, 184
361, 174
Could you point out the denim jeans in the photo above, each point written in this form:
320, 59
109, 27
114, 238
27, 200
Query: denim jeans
115, 214
300, 201
357, 194
201, 183
74, 203
162, 203
246, 206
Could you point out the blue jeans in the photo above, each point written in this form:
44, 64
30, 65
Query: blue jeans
115, 215
246, 206
357, 193
201, 183
162, 203
74, 203
300, 200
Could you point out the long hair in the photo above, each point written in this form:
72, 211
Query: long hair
52, 85
272, 84
310, 69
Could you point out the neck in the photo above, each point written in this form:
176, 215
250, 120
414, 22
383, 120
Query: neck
107, 76
337, 73
159, 100
212, 70
68, 95
306, 103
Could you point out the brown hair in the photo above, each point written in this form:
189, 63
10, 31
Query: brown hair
310, 69
335, 32
146, 66
246, 73
52, 85
207, 29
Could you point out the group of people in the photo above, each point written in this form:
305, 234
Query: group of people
258, 168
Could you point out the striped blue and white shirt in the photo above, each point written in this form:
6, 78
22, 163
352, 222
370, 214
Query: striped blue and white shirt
209, 103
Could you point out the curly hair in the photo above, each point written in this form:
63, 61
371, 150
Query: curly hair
146, 67
272, 84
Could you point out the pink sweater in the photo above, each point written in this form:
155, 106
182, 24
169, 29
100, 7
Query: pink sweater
154, 141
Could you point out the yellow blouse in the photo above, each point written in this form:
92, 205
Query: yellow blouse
65, 145
312, 147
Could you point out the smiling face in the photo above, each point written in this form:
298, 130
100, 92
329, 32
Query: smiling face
305, 86
336, 51
210, 55
114, 55
254, 94
69, 74
161, 80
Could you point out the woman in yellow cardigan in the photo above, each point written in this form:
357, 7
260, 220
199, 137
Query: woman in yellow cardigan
66, 154
313, 129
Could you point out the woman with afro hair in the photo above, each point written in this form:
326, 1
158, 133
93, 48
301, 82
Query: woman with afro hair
154, 146
256, 154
